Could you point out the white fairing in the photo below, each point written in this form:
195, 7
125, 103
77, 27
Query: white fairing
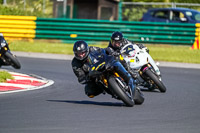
136, 57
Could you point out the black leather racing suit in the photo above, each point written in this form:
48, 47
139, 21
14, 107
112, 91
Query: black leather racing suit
113, 51
116, 51
81, 70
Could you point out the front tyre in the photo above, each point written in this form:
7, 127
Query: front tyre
12, 60
153, 78
120, 92
139, 97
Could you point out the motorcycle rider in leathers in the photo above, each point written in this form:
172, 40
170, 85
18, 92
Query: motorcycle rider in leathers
2, 40
81, 69
115, 45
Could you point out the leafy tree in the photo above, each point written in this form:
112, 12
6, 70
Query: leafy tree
32, 8
177, 1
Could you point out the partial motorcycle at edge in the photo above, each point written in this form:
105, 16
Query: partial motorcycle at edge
6, 57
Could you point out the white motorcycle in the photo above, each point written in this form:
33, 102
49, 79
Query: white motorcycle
143, 66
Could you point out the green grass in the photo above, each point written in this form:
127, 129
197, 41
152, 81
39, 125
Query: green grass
172, 53
41, 47
4, 76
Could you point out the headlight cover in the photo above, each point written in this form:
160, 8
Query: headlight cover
3, 44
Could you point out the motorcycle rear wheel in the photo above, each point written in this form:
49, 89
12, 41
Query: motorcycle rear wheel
12, 60
155, 80
113, 84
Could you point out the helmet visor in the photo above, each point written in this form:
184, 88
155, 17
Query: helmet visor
116, 44
80, 55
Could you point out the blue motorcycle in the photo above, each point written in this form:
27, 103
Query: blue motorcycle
101, 68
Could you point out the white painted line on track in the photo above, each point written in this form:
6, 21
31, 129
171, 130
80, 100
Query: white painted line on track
28, 78
16, 85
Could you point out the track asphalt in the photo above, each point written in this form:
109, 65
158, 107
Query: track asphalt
24, 82
70, 57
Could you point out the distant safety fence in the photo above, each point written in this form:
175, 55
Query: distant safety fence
18, 27
71, 30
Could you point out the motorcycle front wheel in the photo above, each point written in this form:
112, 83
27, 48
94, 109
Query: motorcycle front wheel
155, 80
126, 97
139, 97
12, 60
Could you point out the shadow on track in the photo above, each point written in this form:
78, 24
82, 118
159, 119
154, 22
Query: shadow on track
90, 103
147, 90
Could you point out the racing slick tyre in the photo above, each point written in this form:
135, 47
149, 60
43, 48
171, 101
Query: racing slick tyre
155, 80
125, 96
12, 60
138, 97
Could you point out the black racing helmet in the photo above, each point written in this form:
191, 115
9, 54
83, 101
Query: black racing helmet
116, 39
81, 50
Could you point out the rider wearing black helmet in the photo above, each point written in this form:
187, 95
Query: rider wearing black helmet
117, 40
81, 69
81, 50
116, 43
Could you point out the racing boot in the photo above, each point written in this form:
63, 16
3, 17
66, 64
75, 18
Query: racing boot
139, 96
133, 74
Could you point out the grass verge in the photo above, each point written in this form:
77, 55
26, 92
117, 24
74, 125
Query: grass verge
174, 53
4, 76
171, 53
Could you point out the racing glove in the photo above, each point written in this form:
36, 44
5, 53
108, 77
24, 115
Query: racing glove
86, 68
116, 54
84, 79
141, 46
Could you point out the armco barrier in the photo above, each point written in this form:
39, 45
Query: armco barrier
101, 30
18, 27
70, 30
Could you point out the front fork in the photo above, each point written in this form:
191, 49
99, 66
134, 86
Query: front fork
3, 50
144, 69
105, 81
147, 67
149, 83
2, 57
